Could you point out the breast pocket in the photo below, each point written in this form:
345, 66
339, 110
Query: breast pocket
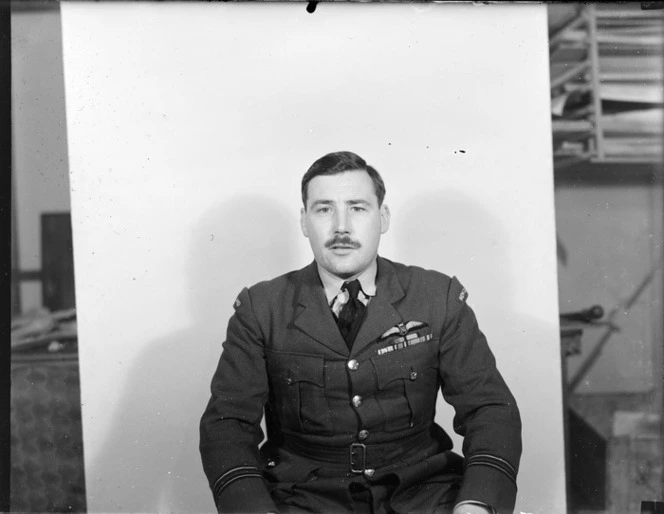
297, 384
408, 385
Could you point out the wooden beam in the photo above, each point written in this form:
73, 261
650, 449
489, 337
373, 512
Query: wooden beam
559, 35
571, 126
657, 299
656, 168
5, 237
581, 112
577, 87
573, 72
563, 162
26, 275
595, 80
648, 14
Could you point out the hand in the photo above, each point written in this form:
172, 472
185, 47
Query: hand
471, 508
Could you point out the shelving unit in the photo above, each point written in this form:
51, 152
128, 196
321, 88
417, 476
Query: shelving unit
607, 75
607, 83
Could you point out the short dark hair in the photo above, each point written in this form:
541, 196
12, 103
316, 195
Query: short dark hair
338, 162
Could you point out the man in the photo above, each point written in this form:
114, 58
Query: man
347, 356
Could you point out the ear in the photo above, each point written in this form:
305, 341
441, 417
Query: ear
303, 222
384, 218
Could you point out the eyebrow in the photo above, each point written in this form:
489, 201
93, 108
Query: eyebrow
348, 202
321, 202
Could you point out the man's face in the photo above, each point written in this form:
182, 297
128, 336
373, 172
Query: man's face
343, 222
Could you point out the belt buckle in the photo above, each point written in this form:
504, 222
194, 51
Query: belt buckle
354, 449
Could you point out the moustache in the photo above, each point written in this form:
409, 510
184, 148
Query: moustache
342, 241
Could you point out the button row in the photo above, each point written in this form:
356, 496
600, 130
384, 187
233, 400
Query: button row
357, 400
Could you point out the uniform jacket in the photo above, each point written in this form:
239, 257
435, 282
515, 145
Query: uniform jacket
284, 353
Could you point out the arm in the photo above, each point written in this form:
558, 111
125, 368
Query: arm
486, 412
230, 427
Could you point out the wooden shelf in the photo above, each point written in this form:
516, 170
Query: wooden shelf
607, 84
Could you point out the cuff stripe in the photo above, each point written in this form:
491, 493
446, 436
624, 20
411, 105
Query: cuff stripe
229, 482
494, 462
232, 475
493, 457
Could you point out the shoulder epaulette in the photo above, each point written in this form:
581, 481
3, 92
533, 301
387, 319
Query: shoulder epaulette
457, 291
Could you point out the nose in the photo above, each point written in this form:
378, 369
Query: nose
341, 222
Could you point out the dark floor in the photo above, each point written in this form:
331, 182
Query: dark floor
614, 466
46, 438
47, 446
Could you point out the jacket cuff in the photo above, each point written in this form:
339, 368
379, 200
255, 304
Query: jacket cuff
486, 483
243, 492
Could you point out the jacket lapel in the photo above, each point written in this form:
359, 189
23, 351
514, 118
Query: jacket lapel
313, 315
381, 313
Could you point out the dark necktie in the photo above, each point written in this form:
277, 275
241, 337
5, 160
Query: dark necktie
352, 313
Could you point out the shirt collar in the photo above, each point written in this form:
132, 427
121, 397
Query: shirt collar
332, 284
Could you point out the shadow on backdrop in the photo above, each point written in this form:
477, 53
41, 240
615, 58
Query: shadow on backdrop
443, 229
151, 457
252, 238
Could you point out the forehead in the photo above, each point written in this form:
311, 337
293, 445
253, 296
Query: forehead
356, 185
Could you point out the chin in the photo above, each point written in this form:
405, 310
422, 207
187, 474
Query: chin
344, 267
343, 271
345, 274
348, 271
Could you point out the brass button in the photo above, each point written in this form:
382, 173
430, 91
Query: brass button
357, 400
353, 364
363, 434
413, 375
369, 472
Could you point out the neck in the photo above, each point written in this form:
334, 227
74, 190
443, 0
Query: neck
332, 283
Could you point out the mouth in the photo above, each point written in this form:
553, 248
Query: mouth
342, 249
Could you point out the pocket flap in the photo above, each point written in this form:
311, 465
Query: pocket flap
297, 367
405, 364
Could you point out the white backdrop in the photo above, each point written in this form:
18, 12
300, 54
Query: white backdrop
190, 126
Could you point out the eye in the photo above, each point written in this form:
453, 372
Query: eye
322, 210
358, 208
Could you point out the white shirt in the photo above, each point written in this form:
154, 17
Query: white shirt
336, 298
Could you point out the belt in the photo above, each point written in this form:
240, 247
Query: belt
360, 457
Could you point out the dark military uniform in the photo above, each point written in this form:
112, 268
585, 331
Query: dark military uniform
339, 421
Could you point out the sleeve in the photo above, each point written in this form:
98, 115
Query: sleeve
486, 413
230, 431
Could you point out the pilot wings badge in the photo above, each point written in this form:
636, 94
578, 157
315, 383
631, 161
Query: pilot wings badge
402, 329
404, 335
